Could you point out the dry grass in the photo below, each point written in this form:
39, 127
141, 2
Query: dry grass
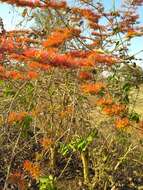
137, 96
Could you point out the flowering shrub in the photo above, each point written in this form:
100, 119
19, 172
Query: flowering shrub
59, 114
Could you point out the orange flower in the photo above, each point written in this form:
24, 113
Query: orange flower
107, 110
122, 122
14, 74
53, 58
38, 3
78, 53
101, 58
133, 33
29, 3
46, 142
93, 88
114, 109
118, 108
32, 75
90, 15
30, 53
60, 36
32, 168
96, 26
36, 65
27, 165
84, 75
104, 101
33, 65
14, 116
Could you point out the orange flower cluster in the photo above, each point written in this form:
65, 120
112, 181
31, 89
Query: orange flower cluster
93, 88
7, 44
96, 26
13, 74
133, 33
36, 65
53, 58
17, 75
128, 20
15, 116
46, 143
18, 57
60, 36
88, 14
29, 3
4, 74
83, 75
37, 3
32, 168
122, 122
91, 16
114, 109
97, 57
79, 54
32, 75
70, 59
46, 58
104, 101
56, 5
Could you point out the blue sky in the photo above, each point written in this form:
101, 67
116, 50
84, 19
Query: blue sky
12, 16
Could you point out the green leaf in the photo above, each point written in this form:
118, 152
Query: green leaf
126, 87
1, 82
64, 149
8, 91
91, 136
30, 88
81, 145
134, 117
47, 183
27, 121
126, 99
